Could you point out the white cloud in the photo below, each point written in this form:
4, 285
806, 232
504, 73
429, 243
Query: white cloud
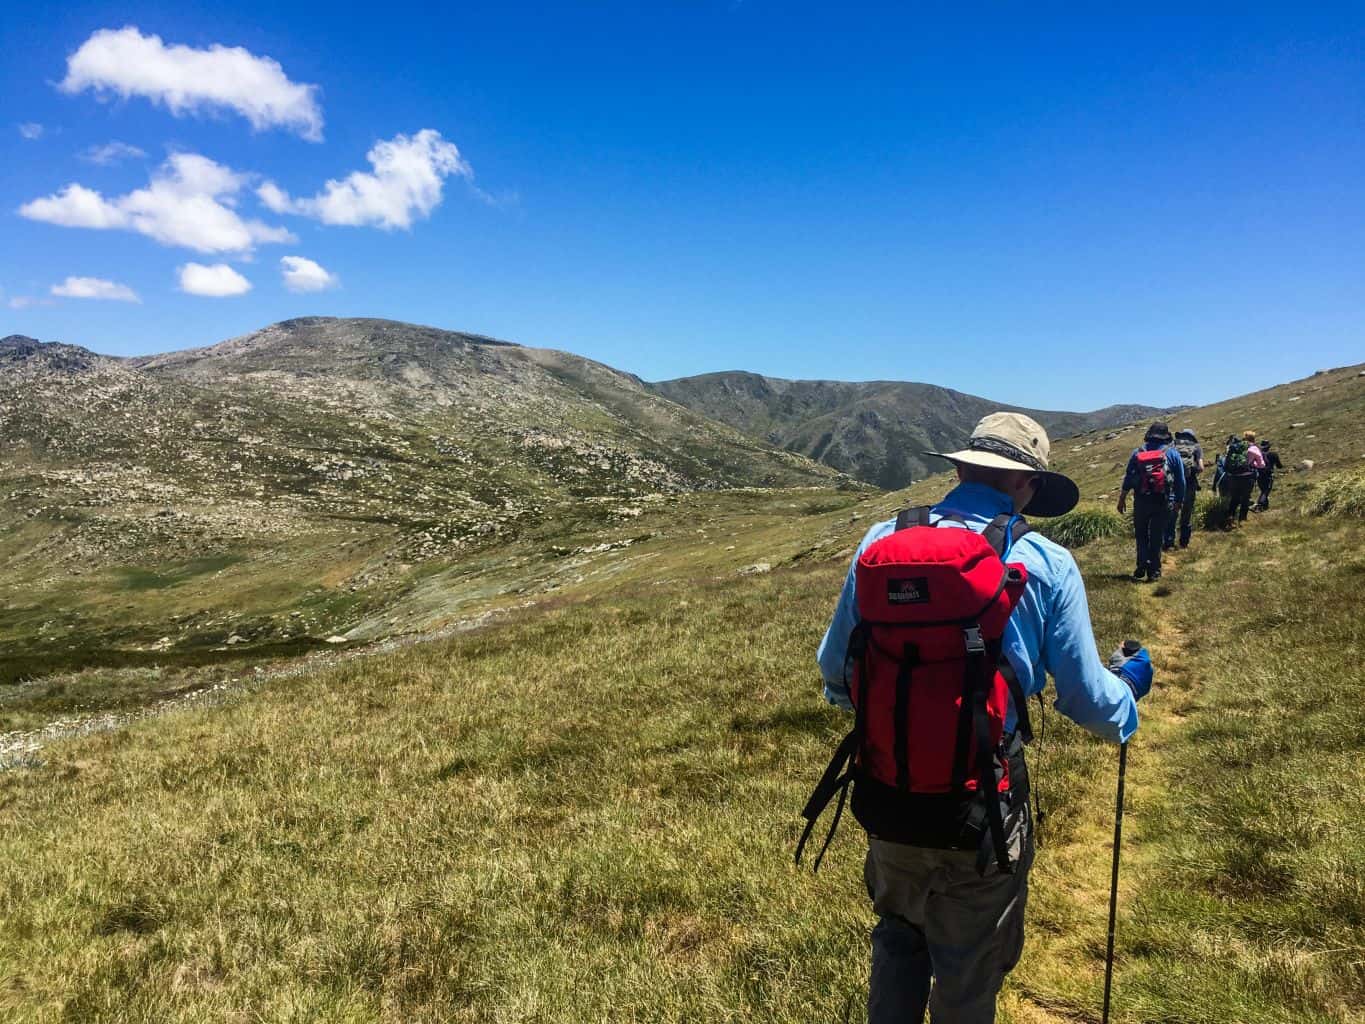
217, 280
27, 302
31, 130
303, 275
75, 207
189, 81
111, 153
405, 185
189, 203
94, 288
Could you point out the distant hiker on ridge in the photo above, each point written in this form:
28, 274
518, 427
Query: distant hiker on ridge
1192, 460
1157, 475
1265, 479
949, 619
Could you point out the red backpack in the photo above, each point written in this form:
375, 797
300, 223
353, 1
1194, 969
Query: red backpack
1151, 471
931, 688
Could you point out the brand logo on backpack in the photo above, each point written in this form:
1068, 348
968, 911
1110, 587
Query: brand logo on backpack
910, 590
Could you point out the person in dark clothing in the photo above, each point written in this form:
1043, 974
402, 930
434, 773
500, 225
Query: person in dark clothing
1159, 489
1192, 458
1239, 477
1265, 479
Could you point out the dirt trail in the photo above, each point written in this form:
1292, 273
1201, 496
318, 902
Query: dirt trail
1084, 861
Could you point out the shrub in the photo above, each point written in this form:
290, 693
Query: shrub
1209, 512
1341, 495
1080, 527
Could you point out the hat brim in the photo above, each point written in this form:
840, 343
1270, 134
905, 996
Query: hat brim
1056, 495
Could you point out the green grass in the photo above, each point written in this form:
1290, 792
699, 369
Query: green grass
1341, 495
587, 814
1083, 525
137, 578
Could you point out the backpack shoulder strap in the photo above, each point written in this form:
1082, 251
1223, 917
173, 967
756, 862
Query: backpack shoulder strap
917, 516
1002, 532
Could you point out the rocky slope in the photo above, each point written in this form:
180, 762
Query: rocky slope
875, 431
318, 467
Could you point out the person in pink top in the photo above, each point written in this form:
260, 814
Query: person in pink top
1254, 454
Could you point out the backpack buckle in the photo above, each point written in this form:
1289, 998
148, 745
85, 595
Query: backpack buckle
975, 645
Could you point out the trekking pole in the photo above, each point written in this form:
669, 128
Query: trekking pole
1114, 882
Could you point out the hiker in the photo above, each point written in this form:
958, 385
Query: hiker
1192, 462
1157, 476
1239, 476
1265, 479
947, 867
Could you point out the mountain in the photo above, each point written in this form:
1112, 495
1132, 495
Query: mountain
332, 465
876, 430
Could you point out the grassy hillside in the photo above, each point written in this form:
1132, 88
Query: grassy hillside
584, 809
876, 431
586, 814
318, 478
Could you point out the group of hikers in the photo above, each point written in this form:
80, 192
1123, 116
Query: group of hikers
950, 618
1163, 477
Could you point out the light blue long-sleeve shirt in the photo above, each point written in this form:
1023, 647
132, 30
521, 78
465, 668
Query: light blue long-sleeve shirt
1049, 632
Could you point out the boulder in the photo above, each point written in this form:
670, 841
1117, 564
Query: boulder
1305, 465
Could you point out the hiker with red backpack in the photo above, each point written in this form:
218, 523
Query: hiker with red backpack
1156, 475
949, 619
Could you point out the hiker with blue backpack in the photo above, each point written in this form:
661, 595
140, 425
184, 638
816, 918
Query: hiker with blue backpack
1156, 477
949, 619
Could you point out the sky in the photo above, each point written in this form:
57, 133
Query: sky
1048, 207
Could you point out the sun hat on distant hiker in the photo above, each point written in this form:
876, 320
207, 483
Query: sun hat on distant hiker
1011, 440
1158, 431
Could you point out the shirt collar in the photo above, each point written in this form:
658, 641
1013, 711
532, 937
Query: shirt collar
975, 499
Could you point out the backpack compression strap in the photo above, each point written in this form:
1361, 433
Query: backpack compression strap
919, 516
1004, 530
837, 778
978, 669
1002, 533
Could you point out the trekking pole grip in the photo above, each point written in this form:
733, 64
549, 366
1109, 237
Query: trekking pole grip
1114, 881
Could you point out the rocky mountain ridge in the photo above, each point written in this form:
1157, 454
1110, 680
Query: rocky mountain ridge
876, 431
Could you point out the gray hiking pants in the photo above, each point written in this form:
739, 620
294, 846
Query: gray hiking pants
943, 922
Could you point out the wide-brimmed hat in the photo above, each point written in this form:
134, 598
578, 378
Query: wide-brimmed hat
1010, 440
1158, 431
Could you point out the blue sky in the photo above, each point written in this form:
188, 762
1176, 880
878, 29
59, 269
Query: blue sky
1045, 208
